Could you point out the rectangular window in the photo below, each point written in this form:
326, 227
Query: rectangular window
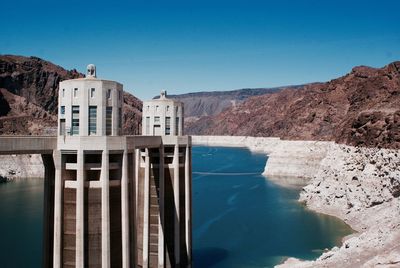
119, 118
92, 90
168, 126
108, 93
92, 120
62, 110
156, 120
62, 127
75, 92
108, 121
177, 126
75, 120
147, 125
63, 92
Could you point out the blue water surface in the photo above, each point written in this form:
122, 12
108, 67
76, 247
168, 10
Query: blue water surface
241, 219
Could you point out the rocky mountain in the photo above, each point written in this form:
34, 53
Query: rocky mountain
199, 104
28, 96
360, 108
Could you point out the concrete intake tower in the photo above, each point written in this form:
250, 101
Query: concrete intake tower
113, 200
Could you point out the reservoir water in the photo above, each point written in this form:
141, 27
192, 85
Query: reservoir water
240, 219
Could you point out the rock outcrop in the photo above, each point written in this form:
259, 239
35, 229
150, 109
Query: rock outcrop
20, 167
360, 109
362, 187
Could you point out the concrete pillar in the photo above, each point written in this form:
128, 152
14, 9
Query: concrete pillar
177, 240
188, 189
48, 210
58, 189
146, 210
80, 202
125, 211
105, 209
137, 165
132, 207
161, 223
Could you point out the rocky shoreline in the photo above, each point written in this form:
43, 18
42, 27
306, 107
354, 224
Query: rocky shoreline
361, 186
20, 167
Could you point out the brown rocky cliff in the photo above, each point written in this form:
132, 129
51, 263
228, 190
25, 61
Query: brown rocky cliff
28, 96
360, 108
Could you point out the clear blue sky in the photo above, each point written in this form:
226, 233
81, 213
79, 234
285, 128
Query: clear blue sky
185, 46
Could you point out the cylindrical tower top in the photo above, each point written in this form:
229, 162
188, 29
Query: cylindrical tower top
162, 117
90, 106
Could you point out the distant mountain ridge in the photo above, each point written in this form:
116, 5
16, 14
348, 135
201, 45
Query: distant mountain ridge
198, 104
29, 97
360, 108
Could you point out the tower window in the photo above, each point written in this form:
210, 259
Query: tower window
75, 92
92, 120
167, 125
92, 90
108, 121
119, 118
156, 120
109, 94
63, 92
177, 126
157, 108
62, 127
75, 120
147, 125
62, 110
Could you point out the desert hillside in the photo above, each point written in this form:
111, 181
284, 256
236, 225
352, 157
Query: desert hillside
210, 103
360, 108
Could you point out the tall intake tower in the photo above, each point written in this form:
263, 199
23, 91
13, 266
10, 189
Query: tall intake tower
119, 201
164, 195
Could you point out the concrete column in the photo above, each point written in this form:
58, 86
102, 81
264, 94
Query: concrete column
146, 210
48, 210
176, 201
125, 211
105, 209
58, 189
132, 207
161, 223
181, 123
137, 165
80, 202
188, 190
